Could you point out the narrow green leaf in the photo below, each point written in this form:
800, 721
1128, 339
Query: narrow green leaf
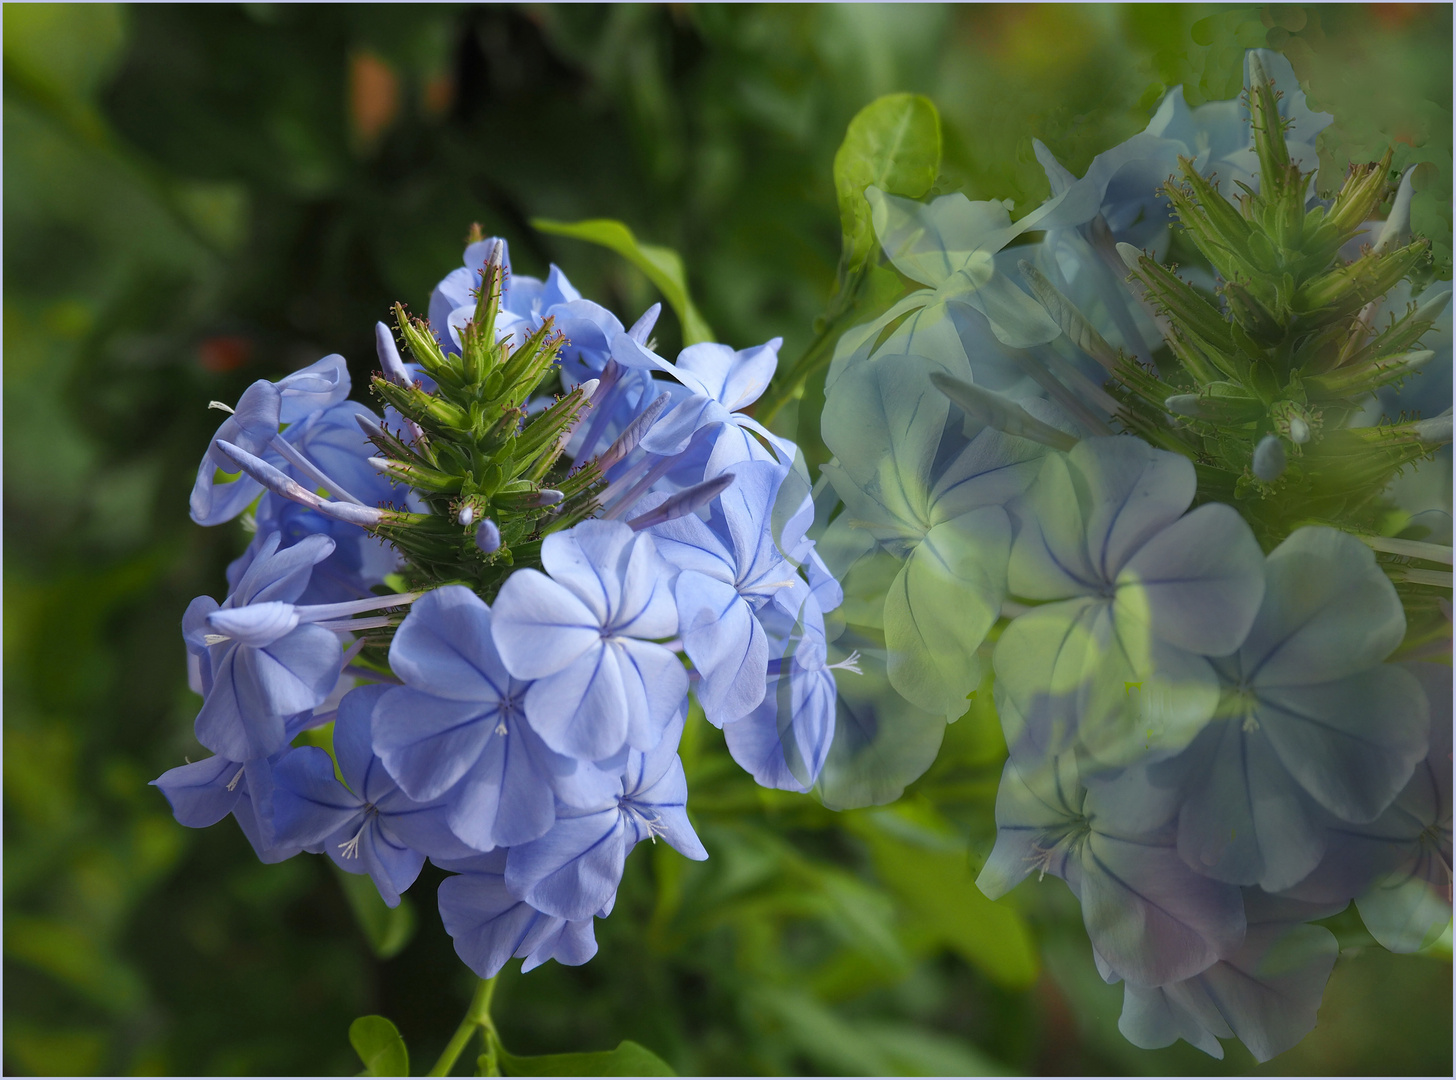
628, 1059
662, 265
894, 144
379, 1046
388, 930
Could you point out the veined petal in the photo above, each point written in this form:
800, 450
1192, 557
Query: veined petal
1328, 611
1131, 492
1198, 582
646, 608
573, 870
540, 627
581, 710
1352, 743
588, 560
726, 644
428, 743
655, 686
943, 602
444, 647
1153, 918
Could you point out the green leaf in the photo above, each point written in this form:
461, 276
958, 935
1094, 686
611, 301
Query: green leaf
388, 930
892, 143
379, 1046
662, 265
628, 1059
936, 886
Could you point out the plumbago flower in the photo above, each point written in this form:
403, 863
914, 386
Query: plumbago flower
1150, 916
1209, 738
569, 558
1299, 744
1135, 594
931, 492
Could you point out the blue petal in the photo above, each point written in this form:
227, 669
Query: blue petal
199, 792
296, 672
582, 711
1200, 581
236, 720
1351, 743
1153, 918
943, 602
281, 574
881, 741
1246, 820
489, 926
540, 627
726, 644
645, 608
1329, 611
573, 870
428, 743
309, 804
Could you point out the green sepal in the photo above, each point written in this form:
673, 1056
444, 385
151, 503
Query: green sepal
1346, 289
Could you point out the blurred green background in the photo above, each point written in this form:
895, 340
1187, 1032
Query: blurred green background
200, 196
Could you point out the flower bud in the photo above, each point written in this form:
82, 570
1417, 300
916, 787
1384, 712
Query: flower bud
487, 537
1269, 459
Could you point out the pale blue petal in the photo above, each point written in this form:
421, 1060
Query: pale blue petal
881, 741
199, 791
1329, 611
540, 627
942, 604
1153, 918
428, 743
645, 607
1133, 492
309, 804
573, 870
1352, 743
1199, 582
444, 648
581, 710
725, 643
1246, 820
589, 559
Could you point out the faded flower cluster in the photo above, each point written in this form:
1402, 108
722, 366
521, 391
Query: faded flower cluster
1136, 499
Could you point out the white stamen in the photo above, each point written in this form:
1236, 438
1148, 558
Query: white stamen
219, 405
849, 663
214, 639
500, 729
236, 777
349, 849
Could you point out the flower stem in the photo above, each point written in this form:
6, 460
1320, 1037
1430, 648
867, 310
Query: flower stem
476, 1016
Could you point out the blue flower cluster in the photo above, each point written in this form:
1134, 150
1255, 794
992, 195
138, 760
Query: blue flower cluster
526, 744
1208, 744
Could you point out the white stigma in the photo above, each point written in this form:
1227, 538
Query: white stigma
236, 777
221, 407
